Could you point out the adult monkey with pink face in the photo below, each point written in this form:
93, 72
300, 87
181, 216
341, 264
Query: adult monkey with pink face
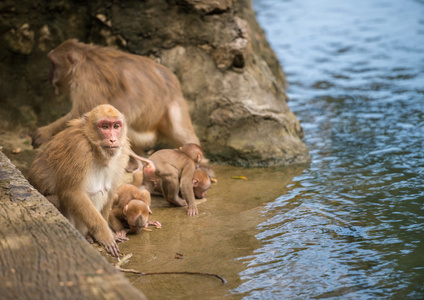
80, 168
147, 93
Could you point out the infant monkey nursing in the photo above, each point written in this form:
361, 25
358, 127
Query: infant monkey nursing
131, 209
170, 169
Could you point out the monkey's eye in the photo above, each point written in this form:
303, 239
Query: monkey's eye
116, 126
105, 126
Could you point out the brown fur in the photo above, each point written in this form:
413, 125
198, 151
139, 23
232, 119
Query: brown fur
130, 209
201, 183
201, 178
147, 93
173, 172
196, 154
79, 176
194, 151
137, 178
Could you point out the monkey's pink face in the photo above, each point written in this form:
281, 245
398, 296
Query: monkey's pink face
110, 131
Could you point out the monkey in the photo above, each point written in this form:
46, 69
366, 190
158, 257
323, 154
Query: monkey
194, 151
79, 169
174, 161
204, 174
172, 172
201, 183
131, 207
147, 93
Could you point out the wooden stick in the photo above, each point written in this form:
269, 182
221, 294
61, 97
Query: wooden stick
159, 273
128, 256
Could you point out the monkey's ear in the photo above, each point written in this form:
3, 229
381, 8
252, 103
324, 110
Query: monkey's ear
195, 182
73, 58
181, 148
125, 210
199, 157
150, 211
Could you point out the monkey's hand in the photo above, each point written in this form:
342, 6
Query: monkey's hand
108, 242
89, 239
155, 223
40, 136
192, 210
121, 236
111, 247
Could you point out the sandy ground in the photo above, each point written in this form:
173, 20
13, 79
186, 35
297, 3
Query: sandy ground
219, 240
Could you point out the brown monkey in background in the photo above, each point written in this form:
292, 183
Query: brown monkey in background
147, 93
131, 208
80, 168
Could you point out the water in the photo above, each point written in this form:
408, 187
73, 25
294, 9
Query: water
352, 225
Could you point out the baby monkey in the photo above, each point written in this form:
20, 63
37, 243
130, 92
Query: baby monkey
201, 183
131, 209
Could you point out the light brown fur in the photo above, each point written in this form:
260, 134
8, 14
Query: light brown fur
79, 175
138, 177
194, 151
201, 183
173, 173
131, 209
147, 93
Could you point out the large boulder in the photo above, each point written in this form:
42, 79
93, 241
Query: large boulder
230, 77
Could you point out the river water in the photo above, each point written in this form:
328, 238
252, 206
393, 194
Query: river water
352, 225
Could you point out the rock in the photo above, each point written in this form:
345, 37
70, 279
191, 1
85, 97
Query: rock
20, 40
230, 76
37, 261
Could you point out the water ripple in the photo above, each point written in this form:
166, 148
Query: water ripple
352, 225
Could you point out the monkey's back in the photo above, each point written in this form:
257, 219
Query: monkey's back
128, 77
63, 162
175, 158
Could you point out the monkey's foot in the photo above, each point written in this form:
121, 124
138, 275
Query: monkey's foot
178, 202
